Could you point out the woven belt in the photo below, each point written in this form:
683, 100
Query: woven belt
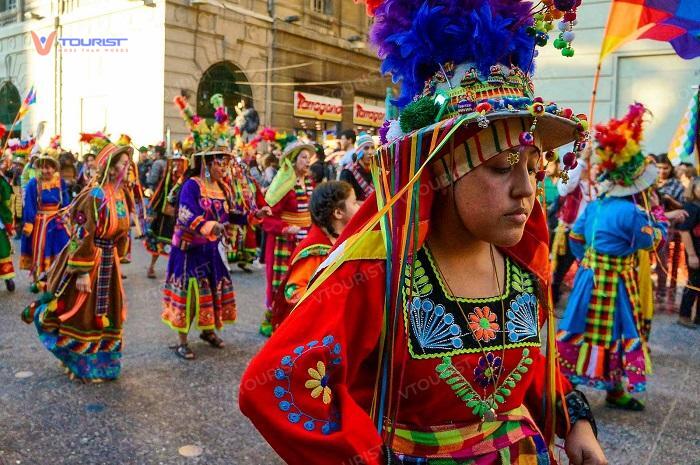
104, 275
302, 219
595, 260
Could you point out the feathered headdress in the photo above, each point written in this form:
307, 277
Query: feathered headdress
55, 141
97, 140
468, 63
124, 140
624, 169
21, 148
207, 137
416, 38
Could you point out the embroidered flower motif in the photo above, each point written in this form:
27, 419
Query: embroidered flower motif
487, 370
205, 203
482, 322
319, 383
217, 205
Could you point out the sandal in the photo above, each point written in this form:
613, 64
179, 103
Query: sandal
184, 351
626, 402
245, 267
213, 340
151, 274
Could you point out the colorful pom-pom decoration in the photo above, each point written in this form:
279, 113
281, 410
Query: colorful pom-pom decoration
526, 138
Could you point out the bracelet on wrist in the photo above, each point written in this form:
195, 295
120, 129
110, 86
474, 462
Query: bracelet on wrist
578, 408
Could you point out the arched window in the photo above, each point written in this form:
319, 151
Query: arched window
10, 102
222, 78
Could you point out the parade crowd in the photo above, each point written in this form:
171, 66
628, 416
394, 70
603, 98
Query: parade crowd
486, 239
76, 219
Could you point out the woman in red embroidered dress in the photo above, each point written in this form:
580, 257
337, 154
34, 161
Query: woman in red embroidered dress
419, 340
288, 198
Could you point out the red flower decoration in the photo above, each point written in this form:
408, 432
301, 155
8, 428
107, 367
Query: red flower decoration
483, 324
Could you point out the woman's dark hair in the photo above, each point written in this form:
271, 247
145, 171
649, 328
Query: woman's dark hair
663, 159
271, 160
318, 172
349, 135
325, 199
320, 153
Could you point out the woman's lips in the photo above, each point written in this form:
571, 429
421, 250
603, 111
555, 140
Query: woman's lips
518, 216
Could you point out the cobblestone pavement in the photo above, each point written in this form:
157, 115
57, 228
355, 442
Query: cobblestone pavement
162, 403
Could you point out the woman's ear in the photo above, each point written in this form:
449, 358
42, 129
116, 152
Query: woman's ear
338, 214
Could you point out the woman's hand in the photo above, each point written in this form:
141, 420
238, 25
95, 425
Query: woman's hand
693, 262
292, 230
82, 283
654, 199
264, 211
677, 216
582, 447
218, 229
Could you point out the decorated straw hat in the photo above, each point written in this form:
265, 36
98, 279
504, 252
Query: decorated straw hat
286, 177
49, 156
465, 68
110, 152
623, 167
293, 149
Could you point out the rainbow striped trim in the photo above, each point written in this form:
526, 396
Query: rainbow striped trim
501, 135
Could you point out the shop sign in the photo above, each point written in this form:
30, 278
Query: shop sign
317, 107
364, 114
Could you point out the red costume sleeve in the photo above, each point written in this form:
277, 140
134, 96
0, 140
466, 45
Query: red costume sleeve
306, 391
274, 224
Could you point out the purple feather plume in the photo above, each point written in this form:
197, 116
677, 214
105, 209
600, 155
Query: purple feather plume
414, 37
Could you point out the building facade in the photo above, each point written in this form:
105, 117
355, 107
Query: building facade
116, 65
644, 70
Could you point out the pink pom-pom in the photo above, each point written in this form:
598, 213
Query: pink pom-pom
569, 159
526, 138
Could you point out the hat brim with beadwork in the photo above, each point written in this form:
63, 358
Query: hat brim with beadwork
643, 182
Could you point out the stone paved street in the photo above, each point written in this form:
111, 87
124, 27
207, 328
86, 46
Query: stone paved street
161, 403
